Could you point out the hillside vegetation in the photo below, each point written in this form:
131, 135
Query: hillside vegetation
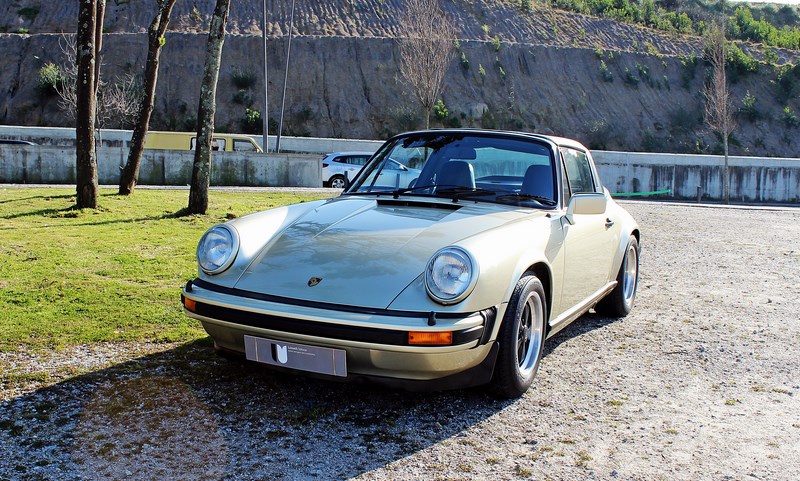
616, 74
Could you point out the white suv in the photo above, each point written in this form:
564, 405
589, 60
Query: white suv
339, 168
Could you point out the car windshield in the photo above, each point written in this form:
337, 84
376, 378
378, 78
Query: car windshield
462, 165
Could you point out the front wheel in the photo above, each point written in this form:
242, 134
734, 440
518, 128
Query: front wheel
521, 339
619, 302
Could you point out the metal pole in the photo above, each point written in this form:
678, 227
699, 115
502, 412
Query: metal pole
264, 110
285, 79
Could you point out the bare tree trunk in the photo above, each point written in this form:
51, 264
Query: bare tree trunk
719, 111
90, 19
726, 178
198, 193
130, 173
426, 48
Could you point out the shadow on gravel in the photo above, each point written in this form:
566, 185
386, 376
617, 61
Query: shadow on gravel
188, 414
586, 323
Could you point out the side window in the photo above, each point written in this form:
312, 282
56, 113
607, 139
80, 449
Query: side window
579, 173
217, 144
359, 160
565, 185
243, 146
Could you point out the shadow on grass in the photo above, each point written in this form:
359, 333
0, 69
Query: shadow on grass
187, 414
74, 212
35, 197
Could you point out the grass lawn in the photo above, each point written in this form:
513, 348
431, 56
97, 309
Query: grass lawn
72, 276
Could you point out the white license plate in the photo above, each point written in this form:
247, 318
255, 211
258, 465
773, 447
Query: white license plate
322, 360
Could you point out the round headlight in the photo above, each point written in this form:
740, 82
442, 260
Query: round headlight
450, 275
217, 249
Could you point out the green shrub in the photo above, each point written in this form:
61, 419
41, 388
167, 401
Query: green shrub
28, 13
496, 43
50, 78
744, 26
644, 74
770, 57
251, 122
481, 70
440, 110
748, 109
650, 143
600, 134
630, 78
453, 122
605, 73
243, 79
464, 61
242, 97
739, 62
788, 82
790, 118
404, 118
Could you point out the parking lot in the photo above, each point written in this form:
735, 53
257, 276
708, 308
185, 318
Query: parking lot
700, 382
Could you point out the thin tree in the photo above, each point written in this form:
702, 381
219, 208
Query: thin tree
425, 41
89, 44
155, 40
118, 100
201, 170
719, 112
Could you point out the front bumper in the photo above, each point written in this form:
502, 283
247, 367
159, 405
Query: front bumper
376, 341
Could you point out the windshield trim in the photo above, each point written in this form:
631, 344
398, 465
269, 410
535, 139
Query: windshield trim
385, 153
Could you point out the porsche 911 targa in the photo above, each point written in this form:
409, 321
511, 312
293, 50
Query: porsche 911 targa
454, 278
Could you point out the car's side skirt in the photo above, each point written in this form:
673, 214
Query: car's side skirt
570, 315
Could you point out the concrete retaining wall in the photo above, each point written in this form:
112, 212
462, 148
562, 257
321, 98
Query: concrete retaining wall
36, 164
752, 179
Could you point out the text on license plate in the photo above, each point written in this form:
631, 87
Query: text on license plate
322, 360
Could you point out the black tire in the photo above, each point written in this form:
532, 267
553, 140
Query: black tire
619, 302
521, 339
338, 182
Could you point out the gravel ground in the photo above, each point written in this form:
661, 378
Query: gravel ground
700, 382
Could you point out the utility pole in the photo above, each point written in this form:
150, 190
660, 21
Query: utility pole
265, 112
285, 79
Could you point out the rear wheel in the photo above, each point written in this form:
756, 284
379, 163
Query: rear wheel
338, 182
521, 339
619, 302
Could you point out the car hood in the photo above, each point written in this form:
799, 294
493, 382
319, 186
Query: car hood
364, 252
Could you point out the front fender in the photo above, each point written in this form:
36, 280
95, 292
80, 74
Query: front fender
256, 231
503, 255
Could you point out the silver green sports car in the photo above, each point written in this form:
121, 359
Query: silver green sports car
454, 278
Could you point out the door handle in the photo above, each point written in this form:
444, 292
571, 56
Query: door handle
609, 223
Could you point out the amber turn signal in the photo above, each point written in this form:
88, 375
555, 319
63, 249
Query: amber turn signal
430, 338
189, 304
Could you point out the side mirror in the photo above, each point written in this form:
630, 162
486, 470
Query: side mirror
590, 203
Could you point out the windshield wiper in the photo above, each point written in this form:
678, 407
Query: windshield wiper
458, 192
533, 197
397, 192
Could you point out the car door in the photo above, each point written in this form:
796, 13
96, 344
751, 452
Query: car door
588, 238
